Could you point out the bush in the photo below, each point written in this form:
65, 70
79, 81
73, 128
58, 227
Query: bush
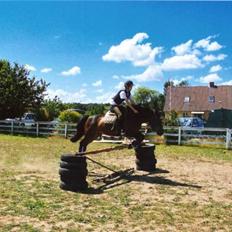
69, 116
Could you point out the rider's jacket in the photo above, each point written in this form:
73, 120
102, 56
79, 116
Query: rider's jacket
121, 96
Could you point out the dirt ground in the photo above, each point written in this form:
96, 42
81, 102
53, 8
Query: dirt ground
182, 194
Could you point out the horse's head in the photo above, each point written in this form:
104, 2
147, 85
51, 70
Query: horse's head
153, 117
156, 122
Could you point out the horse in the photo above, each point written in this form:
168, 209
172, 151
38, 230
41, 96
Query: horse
91, 127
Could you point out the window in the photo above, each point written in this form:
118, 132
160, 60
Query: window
186, 99
211, 98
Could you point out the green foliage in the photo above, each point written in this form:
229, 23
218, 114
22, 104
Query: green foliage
18, 92
171, 83
94, 109
69, 116
171, 119
51, 109
148, 97
183, 83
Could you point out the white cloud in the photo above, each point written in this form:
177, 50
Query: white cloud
207, 45
187, 78
97, 83
29, 67
120, 85
71, 72
227, 83
187, 56
79, 96
46, 70
188, 61
104, 98
132, 50
100, 90
153, 72
215, 68
184, 48
116, 77
211, 58
214, 46
210, 78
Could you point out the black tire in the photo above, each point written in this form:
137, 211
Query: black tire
71, 172
148, 168
73, 159
145, 157
146, 162
73, 166
147, 148
74, 180
74, 188
145, 152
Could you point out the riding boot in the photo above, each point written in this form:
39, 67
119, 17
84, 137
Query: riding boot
115, 125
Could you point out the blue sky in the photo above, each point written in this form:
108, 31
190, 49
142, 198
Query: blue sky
86, 50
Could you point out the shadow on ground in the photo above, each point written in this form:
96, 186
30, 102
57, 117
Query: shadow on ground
125, 176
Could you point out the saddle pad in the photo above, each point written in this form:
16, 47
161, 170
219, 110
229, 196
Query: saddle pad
110, 118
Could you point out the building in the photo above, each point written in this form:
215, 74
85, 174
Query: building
198, 100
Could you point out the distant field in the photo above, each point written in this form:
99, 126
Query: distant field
191, 190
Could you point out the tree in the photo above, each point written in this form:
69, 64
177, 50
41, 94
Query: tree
18, 92
166, 85
51, 109
183, 83
69, 116
93, 109
149, 97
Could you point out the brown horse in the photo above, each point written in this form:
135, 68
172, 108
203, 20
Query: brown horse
92, 127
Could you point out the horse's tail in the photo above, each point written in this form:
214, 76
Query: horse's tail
79, 129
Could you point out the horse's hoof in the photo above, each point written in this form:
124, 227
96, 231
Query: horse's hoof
73, 139
129, 146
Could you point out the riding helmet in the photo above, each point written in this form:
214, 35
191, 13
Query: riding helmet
128, 83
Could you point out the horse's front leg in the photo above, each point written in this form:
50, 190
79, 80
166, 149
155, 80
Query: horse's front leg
89, 137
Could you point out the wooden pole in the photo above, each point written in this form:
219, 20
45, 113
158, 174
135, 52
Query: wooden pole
120, 147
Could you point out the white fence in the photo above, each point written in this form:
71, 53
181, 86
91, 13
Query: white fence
220, 137
38, 129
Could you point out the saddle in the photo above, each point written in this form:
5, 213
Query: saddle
112, 123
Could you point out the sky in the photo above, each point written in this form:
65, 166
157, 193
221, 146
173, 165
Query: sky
87, 50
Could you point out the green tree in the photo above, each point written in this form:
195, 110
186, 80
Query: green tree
51, 109
183, 83
149, 98
171, 119
18, 92
166, 85
93, 109
69, 116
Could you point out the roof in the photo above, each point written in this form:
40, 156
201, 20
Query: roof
198, 98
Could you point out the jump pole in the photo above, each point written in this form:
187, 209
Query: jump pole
120, 147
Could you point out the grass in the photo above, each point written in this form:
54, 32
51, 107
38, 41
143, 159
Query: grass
30, 198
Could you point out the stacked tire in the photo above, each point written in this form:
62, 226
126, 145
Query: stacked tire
73, 172
145, 158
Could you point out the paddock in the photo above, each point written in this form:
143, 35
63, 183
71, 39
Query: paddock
190, 190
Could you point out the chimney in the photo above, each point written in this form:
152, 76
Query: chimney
212, 85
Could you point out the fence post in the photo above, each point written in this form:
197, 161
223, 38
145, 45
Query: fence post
37, 129
66, 130
12, 127
228, 138
179, 136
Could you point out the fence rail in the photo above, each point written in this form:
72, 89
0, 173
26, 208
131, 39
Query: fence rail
173, 135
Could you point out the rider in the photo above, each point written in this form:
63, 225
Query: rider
123, 95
